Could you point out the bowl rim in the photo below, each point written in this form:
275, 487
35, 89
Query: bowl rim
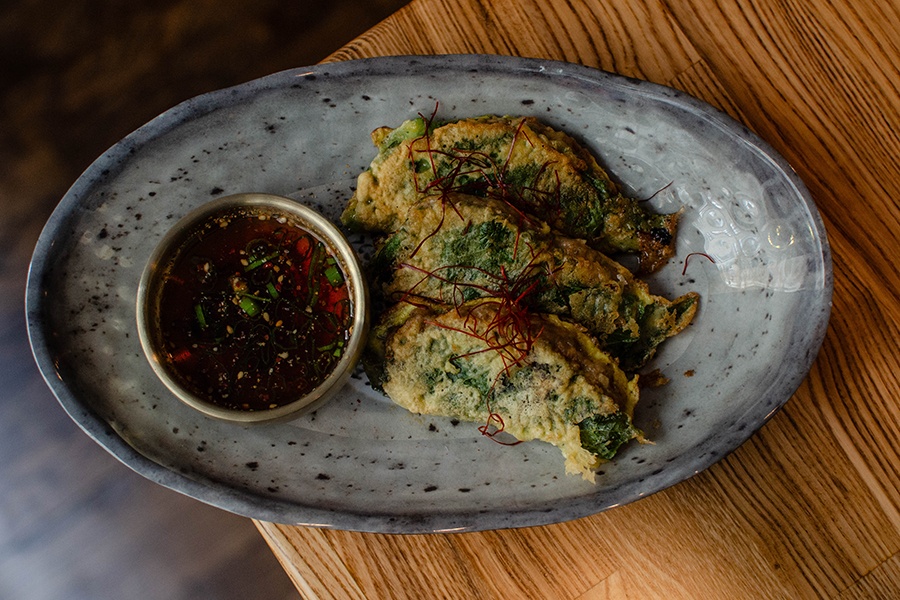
166, 251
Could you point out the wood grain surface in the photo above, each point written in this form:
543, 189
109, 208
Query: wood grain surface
809, 507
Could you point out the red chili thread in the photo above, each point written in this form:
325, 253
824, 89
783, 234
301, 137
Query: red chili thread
510, 332
490, 178
657, 192
486, 431
511, 353
688, 257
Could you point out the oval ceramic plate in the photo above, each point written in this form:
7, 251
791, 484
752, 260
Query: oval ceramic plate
360, 462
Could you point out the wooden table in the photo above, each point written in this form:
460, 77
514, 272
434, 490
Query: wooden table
810, 505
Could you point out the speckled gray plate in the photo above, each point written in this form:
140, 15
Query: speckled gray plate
360, 462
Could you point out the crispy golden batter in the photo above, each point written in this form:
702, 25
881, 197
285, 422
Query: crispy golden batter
542, 171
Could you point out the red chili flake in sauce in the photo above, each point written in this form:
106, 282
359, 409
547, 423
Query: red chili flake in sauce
255, 312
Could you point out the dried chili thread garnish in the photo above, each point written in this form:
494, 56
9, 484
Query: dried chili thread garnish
484, 176
656, 193
486, 430
688, 257
511, 351
510, 333
500, 285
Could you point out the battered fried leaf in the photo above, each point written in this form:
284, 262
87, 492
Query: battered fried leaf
541, 171
456, 248
528, 375
605, 434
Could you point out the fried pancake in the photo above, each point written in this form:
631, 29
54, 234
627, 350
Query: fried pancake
541, 171
532, 376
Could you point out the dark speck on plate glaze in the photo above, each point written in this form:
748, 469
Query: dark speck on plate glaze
360, 462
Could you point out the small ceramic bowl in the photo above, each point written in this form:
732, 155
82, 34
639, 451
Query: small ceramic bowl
219, 327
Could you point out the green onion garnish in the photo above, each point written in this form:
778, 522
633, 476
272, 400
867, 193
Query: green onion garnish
272, 291
333, 275
201, 316
255, 264
249, 306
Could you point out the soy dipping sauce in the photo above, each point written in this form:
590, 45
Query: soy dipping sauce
255, 311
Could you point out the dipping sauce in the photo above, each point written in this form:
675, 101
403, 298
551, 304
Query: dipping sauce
254, 311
